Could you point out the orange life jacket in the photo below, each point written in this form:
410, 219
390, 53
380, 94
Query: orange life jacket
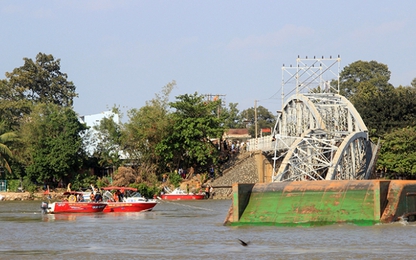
115, 197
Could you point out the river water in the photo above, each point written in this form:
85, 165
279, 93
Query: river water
188, 230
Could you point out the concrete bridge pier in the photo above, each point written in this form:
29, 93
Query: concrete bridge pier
362, 202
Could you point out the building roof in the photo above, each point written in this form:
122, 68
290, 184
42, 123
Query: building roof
237, 133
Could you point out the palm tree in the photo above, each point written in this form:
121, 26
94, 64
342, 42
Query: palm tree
5, 152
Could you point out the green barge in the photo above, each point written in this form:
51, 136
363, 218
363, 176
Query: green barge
312, 203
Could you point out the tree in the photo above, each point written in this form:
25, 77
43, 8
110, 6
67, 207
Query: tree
265, 119
398, 153
41, 81
195, 123
231, 116
52, 135
367, 100
385, 111
5, 152
145, 129
381, 106
413, 83
12, 106
402, 107
361, 72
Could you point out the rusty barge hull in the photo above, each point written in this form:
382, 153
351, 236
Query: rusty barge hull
311, 203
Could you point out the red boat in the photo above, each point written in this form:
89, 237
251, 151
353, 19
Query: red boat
178, 194
134, 202
72, 205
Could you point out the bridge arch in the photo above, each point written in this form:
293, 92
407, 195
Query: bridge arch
327, 111
325, 139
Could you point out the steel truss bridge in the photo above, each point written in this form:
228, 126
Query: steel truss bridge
319, 135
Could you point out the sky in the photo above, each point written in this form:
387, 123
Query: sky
122, 53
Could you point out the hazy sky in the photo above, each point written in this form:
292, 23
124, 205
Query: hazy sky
123, 52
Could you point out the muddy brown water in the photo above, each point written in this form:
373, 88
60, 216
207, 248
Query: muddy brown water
188, 230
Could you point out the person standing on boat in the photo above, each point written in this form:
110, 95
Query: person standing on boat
116, 196
207, 192
121, 196
98, 196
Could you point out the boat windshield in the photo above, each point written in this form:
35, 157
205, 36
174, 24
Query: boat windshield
136, 195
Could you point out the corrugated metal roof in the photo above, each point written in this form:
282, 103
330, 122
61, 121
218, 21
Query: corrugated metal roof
237, 133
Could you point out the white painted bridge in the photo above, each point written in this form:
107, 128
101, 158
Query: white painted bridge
318, 136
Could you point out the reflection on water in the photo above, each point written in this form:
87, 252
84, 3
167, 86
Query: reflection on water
187, 230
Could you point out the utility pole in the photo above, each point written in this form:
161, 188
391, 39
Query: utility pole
255, 118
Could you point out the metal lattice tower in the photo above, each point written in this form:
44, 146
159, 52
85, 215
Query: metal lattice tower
319, 135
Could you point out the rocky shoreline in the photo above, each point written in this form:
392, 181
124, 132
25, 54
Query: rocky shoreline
13, 196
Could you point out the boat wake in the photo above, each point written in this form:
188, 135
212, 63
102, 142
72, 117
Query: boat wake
183, 205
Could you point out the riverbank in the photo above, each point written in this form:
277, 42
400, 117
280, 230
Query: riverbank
4, 196
241, 169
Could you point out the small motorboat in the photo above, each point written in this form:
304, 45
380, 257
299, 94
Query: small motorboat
129, 201
72, 205
178, 194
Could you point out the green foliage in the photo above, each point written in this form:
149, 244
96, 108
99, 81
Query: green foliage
265, 119
13, 185
5, 152
382, 107
41, 81
12, 106
146, 128
232, 117
195, 123
28, 185
146, 190
403, 108
103, 182
398, 152
359, 72
18, 169
83, 180
383, 112
36, 82
52, 137
175, 179
413, 83
388, 113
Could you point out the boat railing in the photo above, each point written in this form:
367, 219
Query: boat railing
167, 190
